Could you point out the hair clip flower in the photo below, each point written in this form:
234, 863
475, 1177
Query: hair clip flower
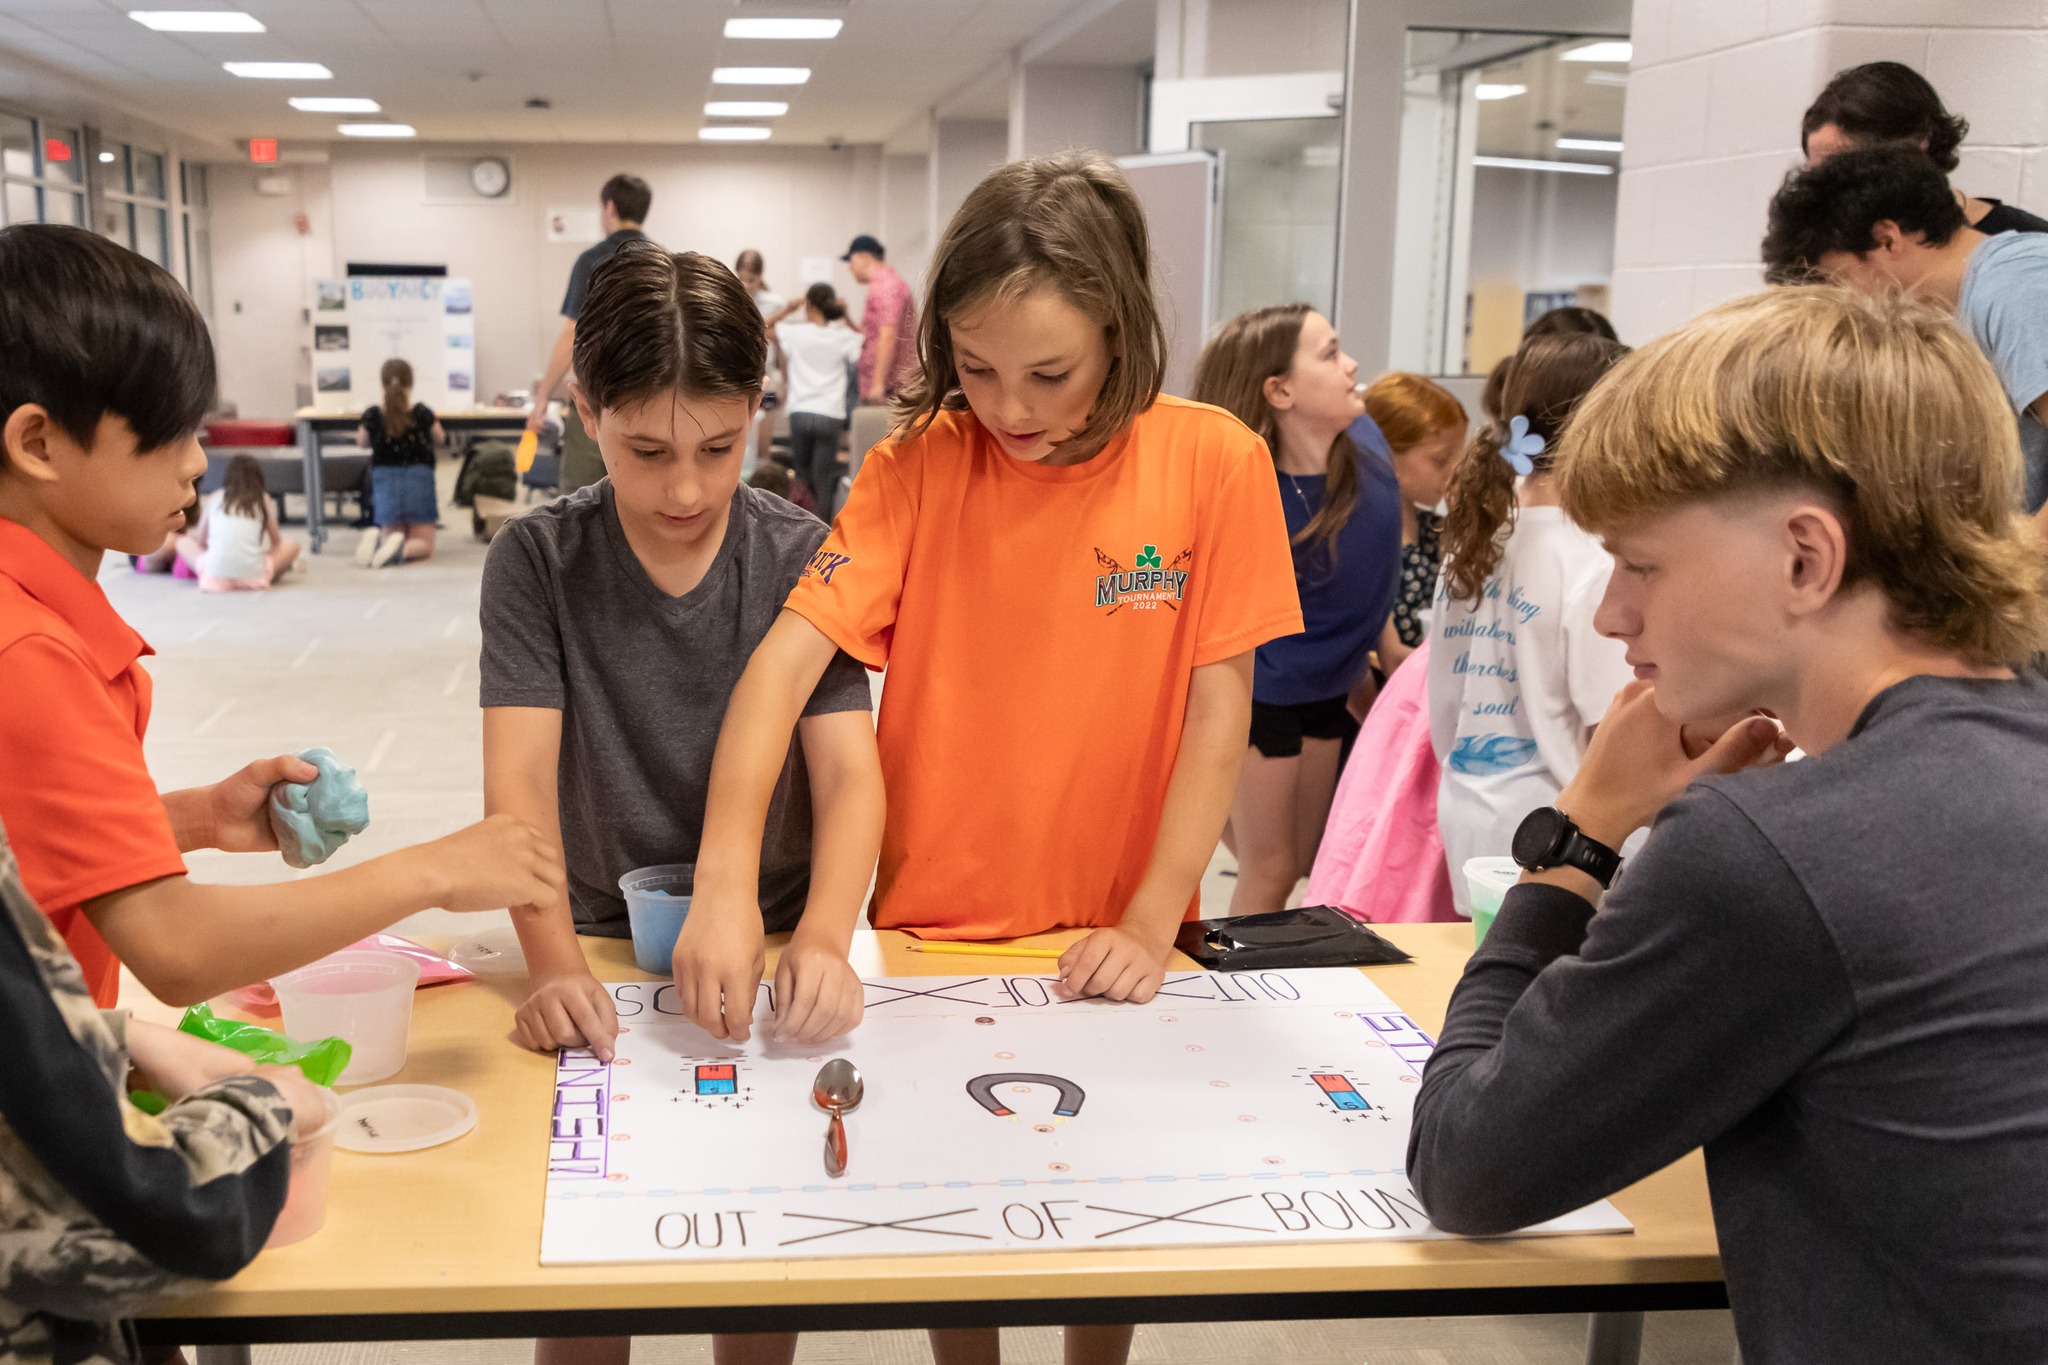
1522, 446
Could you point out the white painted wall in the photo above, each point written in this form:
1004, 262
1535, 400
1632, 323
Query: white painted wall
1057, 107
1714, 100
368, 205
963, 151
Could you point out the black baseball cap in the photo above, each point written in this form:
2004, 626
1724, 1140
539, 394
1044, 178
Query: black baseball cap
863, 243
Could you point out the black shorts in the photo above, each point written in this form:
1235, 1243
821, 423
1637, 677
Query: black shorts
1277, 731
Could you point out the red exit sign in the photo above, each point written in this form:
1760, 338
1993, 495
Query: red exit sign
56, 149
262, 150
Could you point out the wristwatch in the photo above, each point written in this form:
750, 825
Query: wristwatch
1547, 838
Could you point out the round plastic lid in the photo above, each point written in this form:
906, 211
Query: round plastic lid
494, 950
402, 1118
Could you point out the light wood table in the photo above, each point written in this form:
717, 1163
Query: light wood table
445, 1243
313, 421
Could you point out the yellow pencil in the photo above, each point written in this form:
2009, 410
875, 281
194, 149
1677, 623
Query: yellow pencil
986, 950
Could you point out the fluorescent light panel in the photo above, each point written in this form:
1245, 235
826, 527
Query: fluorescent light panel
745, 108
1619, 51
1587, 144
782, 28
760, 75
1488, 91
197, 20
376, 130
732, 132
1516, 163
338, 104
279, 71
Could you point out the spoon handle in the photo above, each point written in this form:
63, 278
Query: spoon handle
835, 1146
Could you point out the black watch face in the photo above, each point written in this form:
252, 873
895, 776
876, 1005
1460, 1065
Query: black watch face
1540, 838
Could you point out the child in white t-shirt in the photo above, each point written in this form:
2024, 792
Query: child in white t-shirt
236, 546
816, 351
1518, 677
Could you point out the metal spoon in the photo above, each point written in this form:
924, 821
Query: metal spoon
838, 1089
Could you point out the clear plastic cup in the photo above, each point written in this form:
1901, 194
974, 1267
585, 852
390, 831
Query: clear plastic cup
657, 900
305, 1201
362, 996
1488, 879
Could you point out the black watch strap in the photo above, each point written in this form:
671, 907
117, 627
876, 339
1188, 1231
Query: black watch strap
1549, 838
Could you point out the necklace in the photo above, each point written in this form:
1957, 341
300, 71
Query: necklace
1292, 482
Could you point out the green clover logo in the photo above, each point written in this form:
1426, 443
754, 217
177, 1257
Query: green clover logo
1148, 558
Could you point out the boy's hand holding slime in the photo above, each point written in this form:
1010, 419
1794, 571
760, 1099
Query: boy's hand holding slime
311, 818
717, 964
234, 814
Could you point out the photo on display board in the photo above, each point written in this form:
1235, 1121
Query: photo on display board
460, 381
331, 379
333, 296
455, 297
462, 341
330, 338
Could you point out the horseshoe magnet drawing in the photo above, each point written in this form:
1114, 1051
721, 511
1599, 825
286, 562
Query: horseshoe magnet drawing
983, 1088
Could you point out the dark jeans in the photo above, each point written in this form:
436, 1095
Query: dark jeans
814, 450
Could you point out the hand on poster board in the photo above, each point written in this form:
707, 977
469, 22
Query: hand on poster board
817, 993
1117, 963
718, 961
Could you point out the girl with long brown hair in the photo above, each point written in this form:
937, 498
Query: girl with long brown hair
1282, 371
1518, 676
402, 436
235, 546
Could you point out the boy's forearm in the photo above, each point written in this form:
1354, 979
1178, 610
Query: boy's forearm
191, 812
188, 942
1212, 746
522, 757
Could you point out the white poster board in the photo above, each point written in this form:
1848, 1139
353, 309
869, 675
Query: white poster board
1246, 1109
364, 320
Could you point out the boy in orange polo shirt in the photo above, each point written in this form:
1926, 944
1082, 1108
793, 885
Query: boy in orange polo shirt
105, 371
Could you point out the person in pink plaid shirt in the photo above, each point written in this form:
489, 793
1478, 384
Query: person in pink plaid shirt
888, 322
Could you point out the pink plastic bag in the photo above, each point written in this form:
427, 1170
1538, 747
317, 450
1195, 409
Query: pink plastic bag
435, 970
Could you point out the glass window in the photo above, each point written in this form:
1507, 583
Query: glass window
1279, 238
17, 145
23, 203
152, 233
63, 155
192, 180
146, 174
199, 264
64, 206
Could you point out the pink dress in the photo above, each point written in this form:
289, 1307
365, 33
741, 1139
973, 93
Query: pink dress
1381, 857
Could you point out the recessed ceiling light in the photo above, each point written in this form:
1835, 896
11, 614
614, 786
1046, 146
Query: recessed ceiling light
733, 132
1517, 163
197, 20
1588, 144
760, 75
376, 130
106, 157
1619, 51
279, 71
339, 104
1500, 92
783, 28
1616, 79
745, 108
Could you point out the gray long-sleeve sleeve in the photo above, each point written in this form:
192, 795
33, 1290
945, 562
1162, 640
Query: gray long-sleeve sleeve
1585, 1051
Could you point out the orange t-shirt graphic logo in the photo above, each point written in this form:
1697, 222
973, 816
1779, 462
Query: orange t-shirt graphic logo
1145, 588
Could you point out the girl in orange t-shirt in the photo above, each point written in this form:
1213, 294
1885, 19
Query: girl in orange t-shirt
1066, 575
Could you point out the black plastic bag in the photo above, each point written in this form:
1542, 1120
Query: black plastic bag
1313, 936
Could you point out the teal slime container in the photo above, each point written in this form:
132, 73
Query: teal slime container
657, 900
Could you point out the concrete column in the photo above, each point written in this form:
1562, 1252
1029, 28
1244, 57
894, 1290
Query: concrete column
1054, 107
1715, 94
963, 151
1374, 93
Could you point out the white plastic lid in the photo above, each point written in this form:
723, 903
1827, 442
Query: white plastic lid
402, 1118
494, 950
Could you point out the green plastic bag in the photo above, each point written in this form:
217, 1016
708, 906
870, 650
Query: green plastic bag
322, 1061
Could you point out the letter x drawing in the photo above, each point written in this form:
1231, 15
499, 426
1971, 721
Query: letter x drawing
899, 1224
1148, 1219
936, 993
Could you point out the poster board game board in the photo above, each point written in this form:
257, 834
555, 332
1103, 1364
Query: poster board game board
1248, 1108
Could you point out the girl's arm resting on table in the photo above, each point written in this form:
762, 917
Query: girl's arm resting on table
1129, 961
565, 1006
720, 952
817, 994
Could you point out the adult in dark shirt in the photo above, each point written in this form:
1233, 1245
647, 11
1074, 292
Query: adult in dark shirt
622, 208
1891, 102
1832, 973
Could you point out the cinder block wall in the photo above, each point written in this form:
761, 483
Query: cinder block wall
1714, 98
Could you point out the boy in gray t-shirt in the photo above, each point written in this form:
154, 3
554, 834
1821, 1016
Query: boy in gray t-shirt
616, 623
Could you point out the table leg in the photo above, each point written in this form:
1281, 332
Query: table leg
316, 527
1611, 1339
223, 1355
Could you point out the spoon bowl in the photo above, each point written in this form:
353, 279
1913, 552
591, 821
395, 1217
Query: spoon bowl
837, 1089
